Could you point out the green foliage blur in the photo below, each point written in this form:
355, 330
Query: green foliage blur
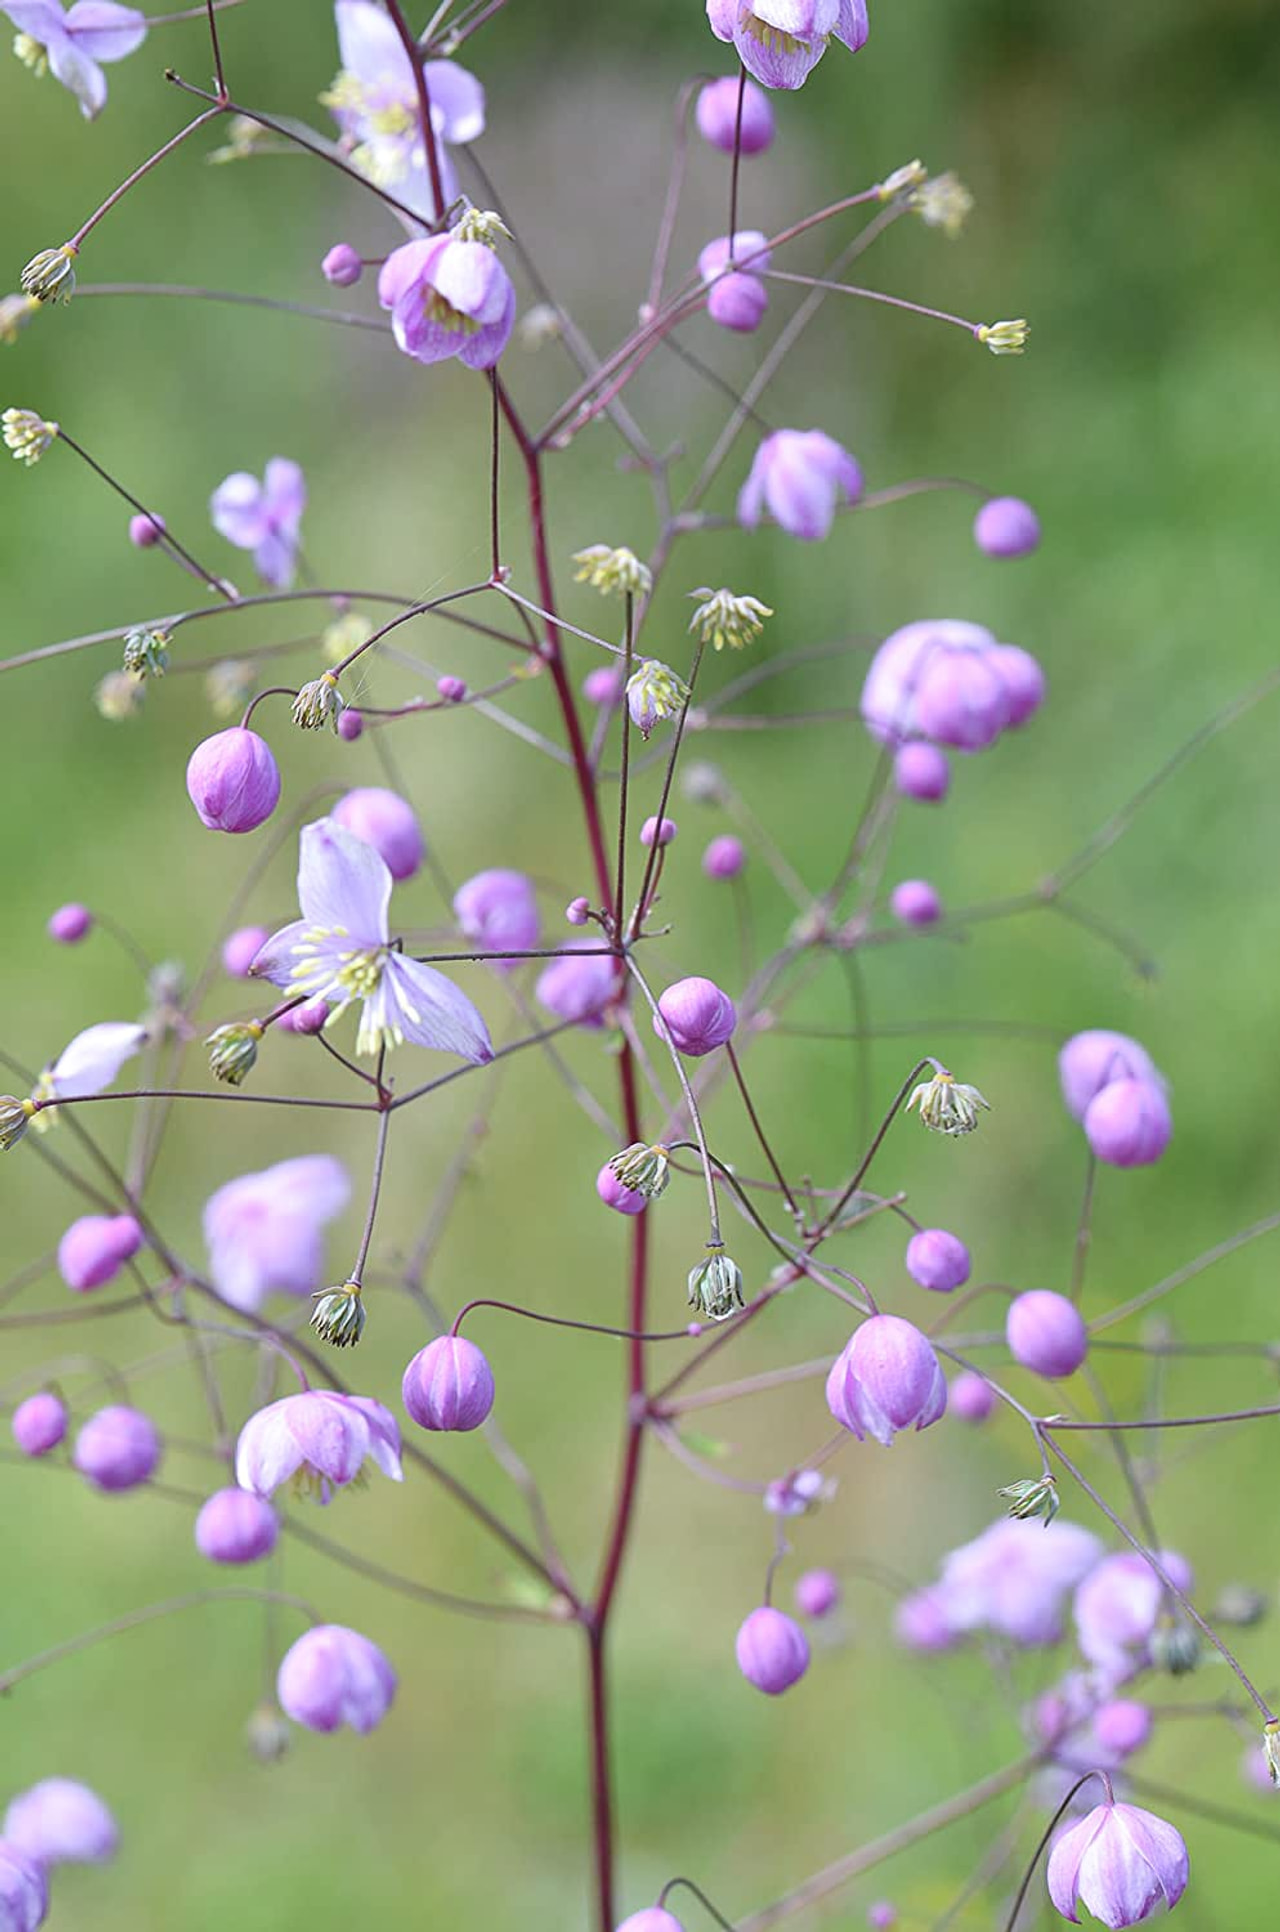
1126, 172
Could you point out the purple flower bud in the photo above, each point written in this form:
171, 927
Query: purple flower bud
235, 1526
60, 1822
1023, 681
145, 532
24, 1891
886, 1378
717, 116
817, 1593
920, 1622
117, 1449
39, 1424
95, 1248
342, 266
938, 1260
233, 781
652, 1919
578, 989
611, 1191
697, 1016
1122, 1727
241, 948
915, 903
1119, 1861
882, 1916
725, 857
604, 685
1129, 1124
498, 910
1091, 1061
797, 1493
738, 302
350, 724
963, 701
388, 823
972, 1397
1005, 526
306, 1019
920, 770
333, 1676
798, 476
448, 1385
658, 831
452, 690
1046, 1332
773, 1651
578, 911
69, 924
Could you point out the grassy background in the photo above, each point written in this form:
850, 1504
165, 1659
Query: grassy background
1125, 169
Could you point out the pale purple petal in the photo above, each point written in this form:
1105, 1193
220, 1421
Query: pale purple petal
93, 1059
457, 101
277, 959
852, 26
431, 1011
1064, 1864
722, 17
384, 1435
785, 65
267, 1453
239, 511
343, 884
470, 278
285, 493
1161, 1845
370, 48
104, 31
39, 19
274, 559
482, 350
79, 73
405, 268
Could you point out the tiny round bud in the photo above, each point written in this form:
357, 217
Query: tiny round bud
921, 770
233, 781
388, 823
1005, 526
604, 685
342, 266
145, 532
717, 116
69, 924
658, 831
938, 1260
452, 690
578, 911
117, 1449
615, 1195
920, 1622
448, 1385
882, 1916
306, 1019
1129, 1123
1122, 1727
350, 725
772, 1651
241, 948
95, 1248
817, 1593
1046, 1332
653, 1919
725, 857
697, 1016
915, 903
738, 302
39, 1424
971, 1397
235, 1526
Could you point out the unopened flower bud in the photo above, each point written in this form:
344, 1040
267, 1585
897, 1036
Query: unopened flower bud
50, 276
351, 725
642, 1169
915, 903
233, 781
318, 704
938, 1260
70, 924
27, 435
1004, 338
267, 1734
1032, 1496
146, 652
658, 831
1046, 1333
145, 532
718, 118
920, 770
947, 1105
452, 690
1005, 526
1176, 1647
972, 1397
772, 1651
724, 858
578, 911
388, 823
118, 1448
604, 685
338, 1315
241, 948
696, 1017
233, 1050
39, 1424
539, 325
612, 571
723, 618
235, 1526
715, 1286
342, 266
817, 1593
448, 1385
15, 1116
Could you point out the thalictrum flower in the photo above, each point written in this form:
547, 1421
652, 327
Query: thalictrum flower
1123, 1863
780, 42
320, 1440
74, 45
263, 1231
263, 515
448, 297
340, 950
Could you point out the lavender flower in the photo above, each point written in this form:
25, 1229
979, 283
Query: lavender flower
39, 1424
799, 477
498, 911
1046, 1333
388, 823
448, 297
1119, 1604
578, 987
717, 116
318, 1440
448, 1385
780, 42
772, 1651
95, 1248
333, 1676
736, 298
887, 1378
74, 45
1015, 1578
24, 1891
263, 1231
1090, 1061
235, 1526
117, 1449
263, 516
340, 951
61, 1822
1123, 1863
937, 679
233, 781
696, 1016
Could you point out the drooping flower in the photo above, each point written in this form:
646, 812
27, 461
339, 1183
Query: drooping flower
263, 516
388, 823
1129, 1123
27, 436
1046, 1333
341, 951
448, 297
334, 1676
235, 1526
498, 910
1121, 1862
375, 103
726, 617
886, 1378
117, 1449
1015, 1578
1091, 1060
780, 42
61, 1822
613, 569
448, 1385
717, 116
772, 1651
319, 1440
24, 1891
947, 1105
799, 476
74, 45
263, 1231
715, 1286
654, 692
947, 680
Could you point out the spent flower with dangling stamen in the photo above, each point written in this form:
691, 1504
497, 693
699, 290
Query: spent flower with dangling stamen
612, 570
1032, 1496
1004, 338
643, 1169
654, 692
50, 276
26, 435
715, 1286
15, 313
943, 202
318, 703
338, 1314
146, 652
233, 1050
725, 618
946, 1105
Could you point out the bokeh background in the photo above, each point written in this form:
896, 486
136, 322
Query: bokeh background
1125, 170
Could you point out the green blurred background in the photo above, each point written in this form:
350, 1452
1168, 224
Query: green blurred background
1126, 173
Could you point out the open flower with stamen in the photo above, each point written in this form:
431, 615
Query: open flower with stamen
341, 951
448, 297
947, 1105
27, 435
50, 275
72, 46
725, 618
612, 569
319, 1441
780, 42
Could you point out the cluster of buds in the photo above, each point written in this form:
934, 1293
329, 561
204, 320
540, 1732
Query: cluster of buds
27, 435
946, 1105
642, 1169
715, 1286
318, 703
233, 1050
723, 618
614, 572
146, 652
338, 1314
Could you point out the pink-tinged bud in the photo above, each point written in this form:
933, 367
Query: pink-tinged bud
60, 1822
920, 1622
738, 302
886, 1378
1122, 1727
333, 1676
95, 1248
448, 1385
342, 266
1046, 1332
717, 117
388, 823
921, 771
658, 831
241, 948
24, 1891
624, 1200
452, 690
578, 911
799, 477
652, 1919
1091, 1061
117, 1449
817, 1593
963, 700
950, 681
350, 724
914, 902
772, 1650
306, 1019
882, 1916
145, 532
1023, 680
498, 910
1120, 1862
39, 1424
697, 1016
972, 1397
578, 989
1006, 527
233, 781
1129, 1123
69, 924
604, 685
938, 1260
234, 1526
725, 857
